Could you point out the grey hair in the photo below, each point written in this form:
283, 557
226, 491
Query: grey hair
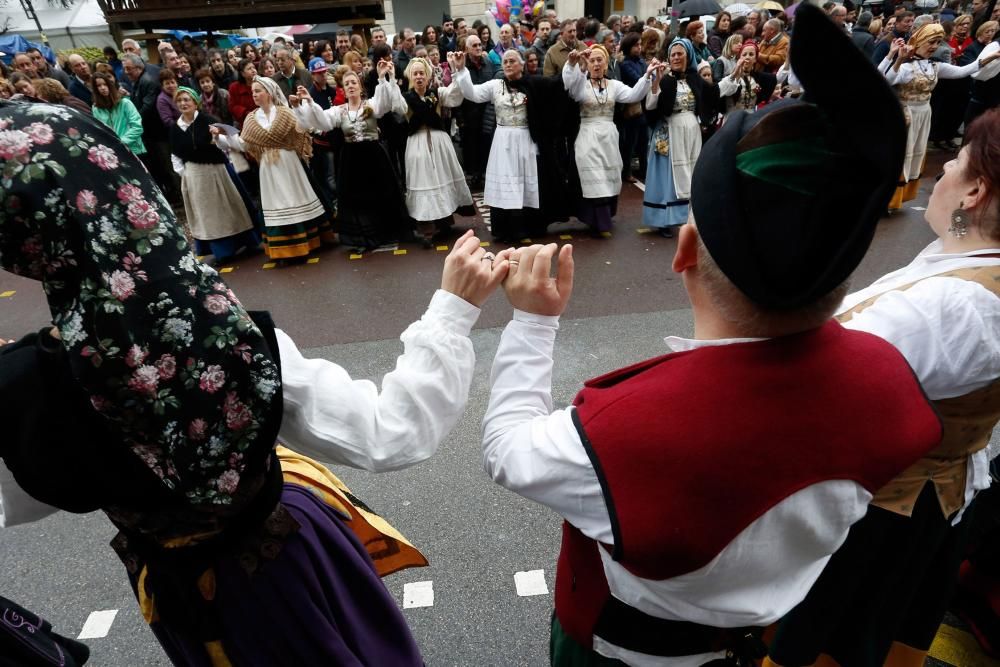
776, 24
520, 58
603, 35
129, 40
921, 21
133, 59
865, 19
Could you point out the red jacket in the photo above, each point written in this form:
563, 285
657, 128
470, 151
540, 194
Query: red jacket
240, 101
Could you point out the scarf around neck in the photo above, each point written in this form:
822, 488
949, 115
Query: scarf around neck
283, 134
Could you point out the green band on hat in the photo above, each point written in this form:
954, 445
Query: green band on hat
788, 164
190, 91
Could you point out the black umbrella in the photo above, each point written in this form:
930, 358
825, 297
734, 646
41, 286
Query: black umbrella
690, 8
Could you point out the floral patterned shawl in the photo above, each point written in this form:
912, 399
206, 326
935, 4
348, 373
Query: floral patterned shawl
161, 345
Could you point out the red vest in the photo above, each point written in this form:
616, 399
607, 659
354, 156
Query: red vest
692, 447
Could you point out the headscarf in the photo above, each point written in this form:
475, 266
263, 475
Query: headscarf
925, 34
159, 343
760, 190
748, 43
692, 57
190, 91
600, 47
273, 89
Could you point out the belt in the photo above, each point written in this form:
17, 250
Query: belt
635, 630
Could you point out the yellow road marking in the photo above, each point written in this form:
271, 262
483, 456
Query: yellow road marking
566, 237
442, 247
269, 265
356, 256
959, 648
526, 241
606, 235
398, 252
228, 269
8, 293
643, 230
484, 244
312, 260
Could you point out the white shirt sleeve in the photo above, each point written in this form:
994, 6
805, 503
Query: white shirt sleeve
729, 85
16, 506
387, 98
313, 117
177, 164
652, 99
945, 328
898, 77
991, 70
478, 94
948, 71
336, 419
626, 95
575, 81
230, 143
450, 95
528, 448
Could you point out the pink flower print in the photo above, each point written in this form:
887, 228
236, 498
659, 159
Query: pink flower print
135, 356
237, 413
73, 133
167, 366
128, 193
145, 380
242, 350
212, 379
228, 481
142, 215
14, 144
216, 304
103, 157
132, 261
121, 284
86, 202
40, 133
197, 429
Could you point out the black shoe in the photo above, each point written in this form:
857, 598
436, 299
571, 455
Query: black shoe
666, 232
426, 243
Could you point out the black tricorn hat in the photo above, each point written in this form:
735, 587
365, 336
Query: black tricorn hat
786, 199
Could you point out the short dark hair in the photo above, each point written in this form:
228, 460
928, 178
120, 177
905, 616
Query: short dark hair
166, 74
203, 73
628, 41
591, 27
33, 49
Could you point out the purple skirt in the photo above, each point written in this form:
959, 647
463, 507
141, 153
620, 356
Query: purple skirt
320, 602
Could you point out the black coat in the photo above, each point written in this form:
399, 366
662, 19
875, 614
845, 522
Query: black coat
144, 94
706, 99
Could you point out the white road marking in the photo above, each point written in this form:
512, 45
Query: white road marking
918, 208
418, 594
98, 624
531, 582
640, 185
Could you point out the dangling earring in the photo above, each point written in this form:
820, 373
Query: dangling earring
959, 223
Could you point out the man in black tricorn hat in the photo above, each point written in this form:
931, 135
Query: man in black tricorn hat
705, 490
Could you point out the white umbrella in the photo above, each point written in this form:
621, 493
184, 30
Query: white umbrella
739, 9
926, 4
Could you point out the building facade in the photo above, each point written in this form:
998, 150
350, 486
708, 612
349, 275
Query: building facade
416, 14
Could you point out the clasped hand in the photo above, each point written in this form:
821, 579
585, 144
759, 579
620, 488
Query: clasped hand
470, 272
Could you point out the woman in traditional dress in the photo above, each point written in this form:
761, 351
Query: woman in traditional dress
158, 399
598, 158
435, 182
678, 106
371, 214
117, 112
883, 595
914, 78
295, 221
746, 87
523, 198
217, 214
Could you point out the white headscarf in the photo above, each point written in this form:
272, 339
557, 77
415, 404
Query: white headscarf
273, 89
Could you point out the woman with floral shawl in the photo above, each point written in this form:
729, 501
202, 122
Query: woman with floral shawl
157, 398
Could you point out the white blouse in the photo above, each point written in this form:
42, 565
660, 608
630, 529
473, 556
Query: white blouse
908, 70
386, 99
333, 418
579, 87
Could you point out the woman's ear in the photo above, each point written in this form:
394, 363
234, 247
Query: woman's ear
976, 196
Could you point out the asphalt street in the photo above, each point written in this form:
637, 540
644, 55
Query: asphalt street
476, 535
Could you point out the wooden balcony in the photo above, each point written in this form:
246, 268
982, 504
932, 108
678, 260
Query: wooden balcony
222, 14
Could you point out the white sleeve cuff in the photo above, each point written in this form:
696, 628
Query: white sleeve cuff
551, 321
452, 311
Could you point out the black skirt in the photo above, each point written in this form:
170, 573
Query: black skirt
371, 209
